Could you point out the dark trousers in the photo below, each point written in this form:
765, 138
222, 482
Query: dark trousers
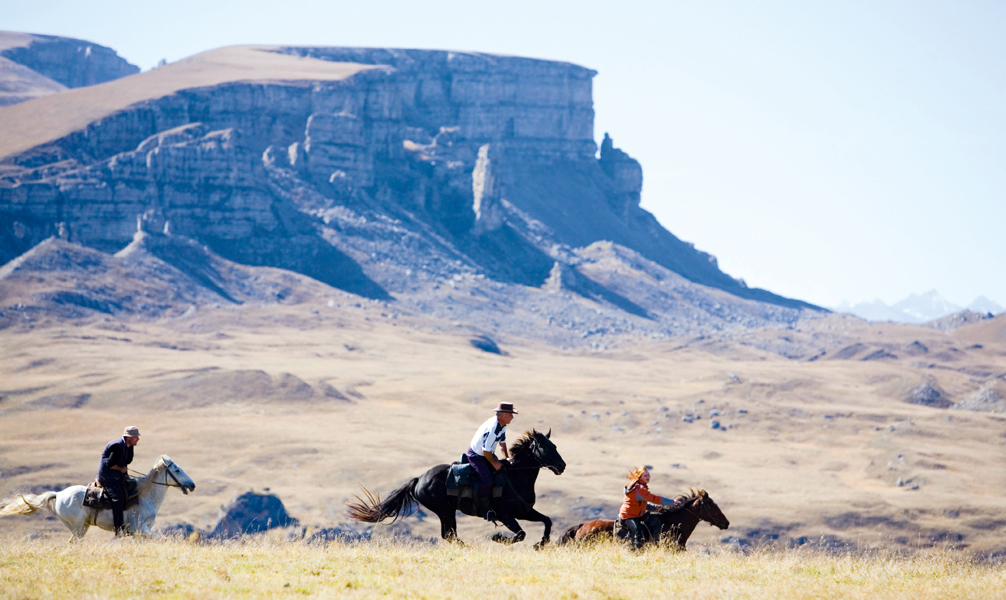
484, 471
115, 489
637, 531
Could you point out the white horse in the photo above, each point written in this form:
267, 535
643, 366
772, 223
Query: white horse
68, 504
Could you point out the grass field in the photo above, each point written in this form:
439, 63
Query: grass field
166, 569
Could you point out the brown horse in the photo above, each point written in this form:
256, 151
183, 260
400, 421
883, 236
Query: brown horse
676, 522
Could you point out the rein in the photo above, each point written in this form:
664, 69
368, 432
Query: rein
538, 467
167, 473
692, 511
510, 484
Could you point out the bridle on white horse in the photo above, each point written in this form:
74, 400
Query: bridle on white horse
167, 473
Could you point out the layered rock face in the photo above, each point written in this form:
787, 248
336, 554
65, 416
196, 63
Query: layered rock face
437, 163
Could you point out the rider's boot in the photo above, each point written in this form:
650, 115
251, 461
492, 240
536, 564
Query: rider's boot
486, 504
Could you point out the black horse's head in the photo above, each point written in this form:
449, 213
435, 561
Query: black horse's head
538, 448
708, 511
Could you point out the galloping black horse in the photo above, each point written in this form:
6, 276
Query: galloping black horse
531, 452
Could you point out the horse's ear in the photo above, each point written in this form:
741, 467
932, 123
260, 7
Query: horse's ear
549, 434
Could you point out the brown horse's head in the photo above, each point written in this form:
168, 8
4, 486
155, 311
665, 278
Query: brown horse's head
708, 511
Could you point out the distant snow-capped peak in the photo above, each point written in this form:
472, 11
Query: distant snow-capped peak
916, 308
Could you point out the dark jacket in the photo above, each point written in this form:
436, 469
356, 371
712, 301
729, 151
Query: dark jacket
116, 454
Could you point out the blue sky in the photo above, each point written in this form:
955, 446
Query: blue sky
824, 151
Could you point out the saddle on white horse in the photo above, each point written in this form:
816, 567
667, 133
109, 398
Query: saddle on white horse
97, 498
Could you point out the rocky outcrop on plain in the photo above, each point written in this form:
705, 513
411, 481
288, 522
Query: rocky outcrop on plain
958, 320
252, 513
33, 65
438, 167
928, 394
991, 397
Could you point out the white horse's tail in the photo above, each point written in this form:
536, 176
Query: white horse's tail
29, 504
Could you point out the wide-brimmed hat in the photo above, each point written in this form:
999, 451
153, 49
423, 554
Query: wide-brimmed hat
505, 407
131, 432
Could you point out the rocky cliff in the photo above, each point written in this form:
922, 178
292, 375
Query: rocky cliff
33, 65
415, 168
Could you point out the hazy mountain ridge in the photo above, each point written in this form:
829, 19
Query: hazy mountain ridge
917, 308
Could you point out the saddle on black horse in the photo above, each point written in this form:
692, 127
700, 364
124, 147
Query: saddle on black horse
97, 496
463, 483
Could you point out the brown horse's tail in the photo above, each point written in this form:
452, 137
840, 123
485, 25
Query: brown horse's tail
569, 535
373, 510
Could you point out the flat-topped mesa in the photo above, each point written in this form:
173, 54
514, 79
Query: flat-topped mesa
297, 158
418, 122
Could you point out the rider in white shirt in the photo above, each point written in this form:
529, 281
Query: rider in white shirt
481, 453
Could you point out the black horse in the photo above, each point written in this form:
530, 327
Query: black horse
531, 452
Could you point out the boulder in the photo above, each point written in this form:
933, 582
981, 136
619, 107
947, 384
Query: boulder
928, 394
485, 344
991, 397
182, 531
344, 533
252, 513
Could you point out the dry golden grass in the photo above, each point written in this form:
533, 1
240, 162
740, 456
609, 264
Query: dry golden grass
165, 569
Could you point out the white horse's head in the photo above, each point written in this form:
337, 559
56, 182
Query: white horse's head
174, 475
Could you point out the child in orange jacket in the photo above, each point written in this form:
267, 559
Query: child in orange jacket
634, 505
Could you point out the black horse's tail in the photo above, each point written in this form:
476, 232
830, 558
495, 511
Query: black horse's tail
569, 535
373, 510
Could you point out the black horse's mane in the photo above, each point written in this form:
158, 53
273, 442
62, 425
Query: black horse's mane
522, 443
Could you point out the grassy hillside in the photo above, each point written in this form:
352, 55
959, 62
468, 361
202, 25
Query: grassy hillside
314, 400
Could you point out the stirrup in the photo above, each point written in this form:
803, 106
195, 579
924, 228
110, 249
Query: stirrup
491, 515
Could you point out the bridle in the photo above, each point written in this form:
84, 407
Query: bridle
539, 466
168, 473
698, 500
690, 509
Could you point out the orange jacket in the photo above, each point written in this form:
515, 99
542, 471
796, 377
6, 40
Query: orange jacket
636, 497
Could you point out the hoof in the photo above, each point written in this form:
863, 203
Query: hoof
503, 539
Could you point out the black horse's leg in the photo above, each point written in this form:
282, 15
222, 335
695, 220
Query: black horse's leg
449, 527
512, 525
533, 515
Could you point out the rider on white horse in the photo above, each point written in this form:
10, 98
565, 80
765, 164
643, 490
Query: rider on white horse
113, 474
